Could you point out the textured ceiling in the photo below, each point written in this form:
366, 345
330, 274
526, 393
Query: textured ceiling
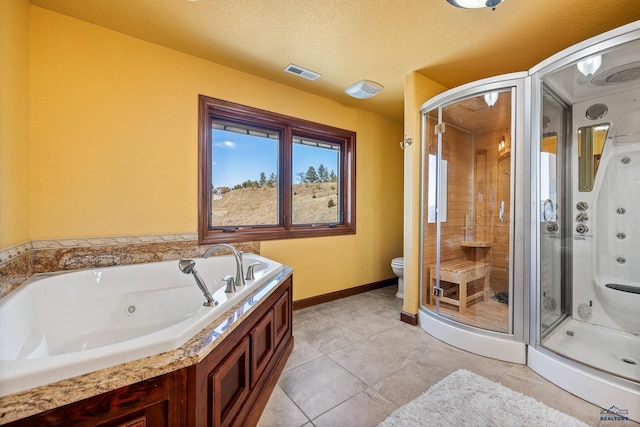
349, 40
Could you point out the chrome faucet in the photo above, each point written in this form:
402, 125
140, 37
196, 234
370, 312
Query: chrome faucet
239, 279
250, 273
231, 286
188, 266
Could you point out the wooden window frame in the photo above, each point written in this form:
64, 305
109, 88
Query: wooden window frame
210, 108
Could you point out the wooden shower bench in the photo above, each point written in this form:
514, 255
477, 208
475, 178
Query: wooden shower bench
461, 272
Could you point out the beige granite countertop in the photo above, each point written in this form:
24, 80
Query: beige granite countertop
33, 401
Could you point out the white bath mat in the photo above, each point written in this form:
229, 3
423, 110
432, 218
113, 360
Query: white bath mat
466, 399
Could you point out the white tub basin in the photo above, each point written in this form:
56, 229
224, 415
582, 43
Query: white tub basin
59, 326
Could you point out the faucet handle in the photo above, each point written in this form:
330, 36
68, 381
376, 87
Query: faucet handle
250, 274
231, 286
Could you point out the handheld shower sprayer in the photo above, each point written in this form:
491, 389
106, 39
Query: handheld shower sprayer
188, 266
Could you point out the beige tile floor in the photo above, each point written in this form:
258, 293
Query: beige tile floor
354, 362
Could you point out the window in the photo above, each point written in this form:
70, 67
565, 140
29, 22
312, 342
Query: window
267, 176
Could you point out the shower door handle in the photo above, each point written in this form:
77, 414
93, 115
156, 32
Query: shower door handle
552, 226
501, 210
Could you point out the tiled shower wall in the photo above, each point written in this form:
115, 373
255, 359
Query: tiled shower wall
20, 262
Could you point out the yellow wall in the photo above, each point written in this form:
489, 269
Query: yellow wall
113, 149
14, 122
335, 263
417, 90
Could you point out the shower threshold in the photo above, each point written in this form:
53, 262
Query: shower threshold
607, 349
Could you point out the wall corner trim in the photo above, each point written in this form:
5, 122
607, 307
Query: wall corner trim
409, 318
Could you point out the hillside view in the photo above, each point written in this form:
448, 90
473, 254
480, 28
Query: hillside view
257, 205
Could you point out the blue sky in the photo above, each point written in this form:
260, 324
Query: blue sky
238, 158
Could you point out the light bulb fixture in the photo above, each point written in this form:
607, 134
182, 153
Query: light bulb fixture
590, 65
363, 89
475, 4
501, 145
491, 98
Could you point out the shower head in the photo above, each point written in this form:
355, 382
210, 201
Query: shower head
621, 74
186, 265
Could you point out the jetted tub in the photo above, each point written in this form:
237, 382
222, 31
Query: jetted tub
57, 326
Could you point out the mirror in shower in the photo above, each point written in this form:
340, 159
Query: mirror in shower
591, 141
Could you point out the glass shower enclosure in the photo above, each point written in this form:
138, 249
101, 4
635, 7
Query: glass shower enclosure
585, 328
530, 219
468, 267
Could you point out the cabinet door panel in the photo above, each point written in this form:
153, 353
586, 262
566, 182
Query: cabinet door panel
137, 422
261, 346
154, 415
281, 317
229, 385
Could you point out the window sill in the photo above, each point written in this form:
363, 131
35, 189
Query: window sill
218, 236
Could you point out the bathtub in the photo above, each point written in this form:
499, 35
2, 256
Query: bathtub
58, 326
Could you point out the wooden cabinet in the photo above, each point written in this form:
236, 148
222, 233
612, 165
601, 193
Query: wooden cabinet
147, 403
229, 387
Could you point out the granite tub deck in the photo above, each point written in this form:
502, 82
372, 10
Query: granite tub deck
20, 262
30, 402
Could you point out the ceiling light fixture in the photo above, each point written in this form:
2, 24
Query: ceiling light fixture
475, 4
363, 89
590, 65
491, 98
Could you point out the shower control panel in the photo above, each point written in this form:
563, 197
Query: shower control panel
582, 217
582, 228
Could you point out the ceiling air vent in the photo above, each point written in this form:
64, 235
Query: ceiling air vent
302, 72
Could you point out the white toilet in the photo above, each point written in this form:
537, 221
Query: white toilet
397, 265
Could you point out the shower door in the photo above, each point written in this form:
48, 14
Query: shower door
467, 221
555, 233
